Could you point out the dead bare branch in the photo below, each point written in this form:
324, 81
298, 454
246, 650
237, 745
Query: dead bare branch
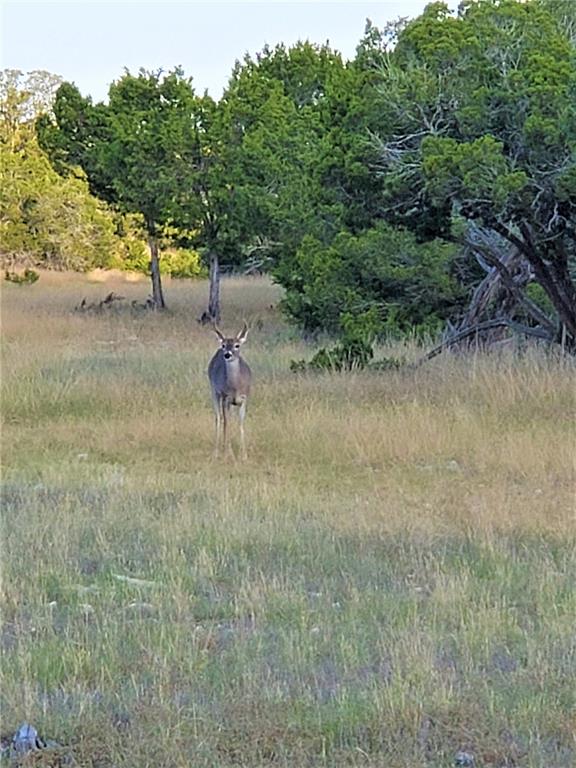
479, 328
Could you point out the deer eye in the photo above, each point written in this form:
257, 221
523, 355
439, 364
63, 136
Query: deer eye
236, 346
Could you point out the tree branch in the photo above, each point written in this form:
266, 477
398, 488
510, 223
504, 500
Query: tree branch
541, 269
533, 309
538, 333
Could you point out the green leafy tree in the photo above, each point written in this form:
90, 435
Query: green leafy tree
273, 123
479, 123
44, 219
256, 148
351, 113
140, 151
343, 269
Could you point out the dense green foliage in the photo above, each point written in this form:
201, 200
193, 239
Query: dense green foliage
382, 277
385, 194
141, 151
265, 137
300, 129
51, 219
45, 219
480, 123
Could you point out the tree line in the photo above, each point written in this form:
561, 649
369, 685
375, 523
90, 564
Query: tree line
428, 183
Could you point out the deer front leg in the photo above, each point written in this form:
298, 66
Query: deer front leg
225, 410
217, 424
241, 417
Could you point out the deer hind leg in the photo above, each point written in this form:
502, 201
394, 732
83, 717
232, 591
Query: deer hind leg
241, 417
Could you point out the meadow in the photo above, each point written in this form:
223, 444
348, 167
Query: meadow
387, 581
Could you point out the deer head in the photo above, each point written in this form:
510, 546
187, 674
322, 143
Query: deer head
231, 346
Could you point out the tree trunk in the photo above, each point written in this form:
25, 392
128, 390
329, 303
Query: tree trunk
552, 278
567, 288
508, 274
157, 295
214, 297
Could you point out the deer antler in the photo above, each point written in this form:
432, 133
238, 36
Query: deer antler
217, 331
243, 333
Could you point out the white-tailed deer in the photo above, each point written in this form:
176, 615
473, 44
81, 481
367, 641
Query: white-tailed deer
230, 379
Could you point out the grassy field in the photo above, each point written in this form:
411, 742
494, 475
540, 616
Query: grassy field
389, 578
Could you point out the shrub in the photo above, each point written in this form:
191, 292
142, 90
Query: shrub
383, 274
181, 262
134, 256
355, 351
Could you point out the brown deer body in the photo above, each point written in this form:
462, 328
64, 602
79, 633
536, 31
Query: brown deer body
230, 380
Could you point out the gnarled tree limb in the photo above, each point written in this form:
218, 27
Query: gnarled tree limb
539, 333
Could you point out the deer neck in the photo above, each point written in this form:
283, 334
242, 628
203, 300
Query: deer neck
233, 371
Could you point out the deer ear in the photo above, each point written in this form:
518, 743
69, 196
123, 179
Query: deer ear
218, 332
242, 336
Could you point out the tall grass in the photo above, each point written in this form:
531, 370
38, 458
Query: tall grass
387, 580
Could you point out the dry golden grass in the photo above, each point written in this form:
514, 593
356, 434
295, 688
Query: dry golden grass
389, 577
